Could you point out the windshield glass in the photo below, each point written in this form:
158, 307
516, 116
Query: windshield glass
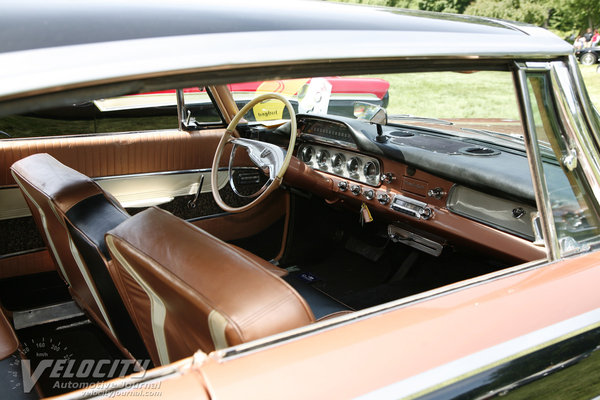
478, 104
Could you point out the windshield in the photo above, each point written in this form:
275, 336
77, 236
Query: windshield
474, 104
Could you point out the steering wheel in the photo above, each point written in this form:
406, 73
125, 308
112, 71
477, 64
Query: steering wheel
266, 156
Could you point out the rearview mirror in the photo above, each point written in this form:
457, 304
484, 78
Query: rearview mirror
374, 114
365, 111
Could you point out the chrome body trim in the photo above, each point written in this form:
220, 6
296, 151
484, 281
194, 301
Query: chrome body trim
472, 364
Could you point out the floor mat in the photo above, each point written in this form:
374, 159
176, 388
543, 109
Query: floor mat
42, 289
360, 282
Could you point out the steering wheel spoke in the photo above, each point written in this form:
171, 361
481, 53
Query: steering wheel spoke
270, 158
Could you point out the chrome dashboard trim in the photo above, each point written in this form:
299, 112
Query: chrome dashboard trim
327, 166
398, 234
328, 141
411, 207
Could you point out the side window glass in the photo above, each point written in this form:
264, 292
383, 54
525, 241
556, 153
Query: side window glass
574, 208
132, 113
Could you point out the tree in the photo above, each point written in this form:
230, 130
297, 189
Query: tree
532, 12
586, 13
452, 6
562, 15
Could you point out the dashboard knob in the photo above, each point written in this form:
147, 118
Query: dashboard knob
383, 198
343, 186
436, 193
426, 213
355, 189
369, 194
388, 177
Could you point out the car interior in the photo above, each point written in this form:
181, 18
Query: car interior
142, 241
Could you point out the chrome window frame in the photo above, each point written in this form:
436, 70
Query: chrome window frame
534, 158
571, 111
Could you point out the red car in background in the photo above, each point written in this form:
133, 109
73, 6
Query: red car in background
336, 95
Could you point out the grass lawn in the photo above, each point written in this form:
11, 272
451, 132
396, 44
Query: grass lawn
592, 82
485, 94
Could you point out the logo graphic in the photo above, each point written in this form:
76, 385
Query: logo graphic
49, 363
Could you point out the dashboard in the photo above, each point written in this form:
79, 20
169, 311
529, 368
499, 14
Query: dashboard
405, 193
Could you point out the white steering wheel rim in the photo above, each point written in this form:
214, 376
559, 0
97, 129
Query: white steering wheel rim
229, 132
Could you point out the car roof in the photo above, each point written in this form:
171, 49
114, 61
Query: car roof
51, 46
39, 24
36, 24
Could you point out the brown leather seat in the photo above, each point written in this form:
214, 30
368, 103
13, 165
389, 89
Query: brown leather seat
187, 290
73, 213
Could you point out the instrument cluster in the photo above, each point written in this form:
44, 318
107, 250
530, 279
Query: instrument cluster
343, 163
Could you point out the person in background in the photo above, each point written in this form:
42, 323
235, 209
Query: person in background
595, 38
579, 43
588, 37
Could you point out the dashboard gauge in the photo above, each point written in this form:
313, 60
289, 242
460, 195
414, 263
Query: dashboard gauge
371, 171
322, 158
337, 163
307, 154
353, 166
348, 165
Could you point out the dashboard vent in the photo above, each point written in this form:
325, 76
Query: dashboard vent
479, 151
402, 133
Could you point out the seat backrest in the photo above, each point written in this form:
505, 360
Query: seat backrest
188, 290
73, 213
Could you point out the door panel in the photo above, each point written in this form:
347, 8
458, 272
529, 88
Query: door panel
117, 154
